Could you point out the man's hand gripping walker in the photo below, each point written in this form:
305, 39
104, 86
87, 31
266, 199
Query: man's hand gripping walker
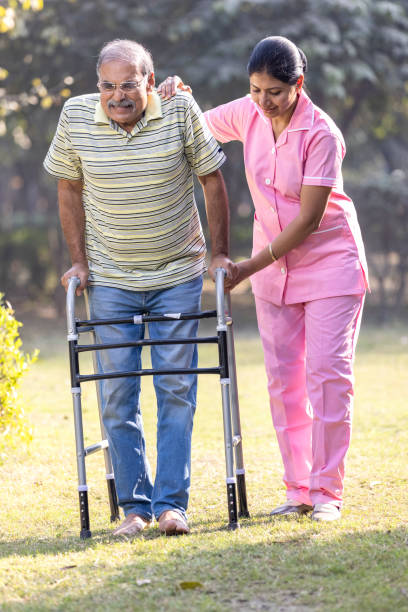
229, 392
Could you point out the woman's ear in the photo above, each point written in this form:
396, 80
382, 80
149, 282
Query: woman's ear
299, 83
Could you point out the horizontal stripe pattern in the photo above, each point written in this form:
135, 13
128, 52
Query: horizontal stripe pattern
143, 230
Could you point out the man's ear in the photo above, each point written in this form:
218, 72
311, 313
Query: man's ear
150, 82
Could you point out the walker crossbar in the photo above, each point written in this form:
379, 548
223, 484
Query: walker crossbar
235, 472
146, 372
206, 314
99, 347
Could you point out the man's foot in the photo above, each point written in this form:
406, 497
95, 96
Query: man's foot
172, 523
131, 526
291, 507
326, 512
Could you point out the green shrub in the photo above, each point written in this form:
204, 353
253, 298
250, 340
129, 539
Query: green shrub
13, 364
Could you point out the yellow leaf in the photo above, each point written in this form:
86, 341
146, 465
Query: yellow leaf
65, 93
46, 102
42, 91
3, 74
190, 585
2, 11
36, 82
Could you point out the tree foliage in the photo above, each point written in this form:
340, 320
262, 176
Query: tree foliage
358, 72
13, 364
11, 9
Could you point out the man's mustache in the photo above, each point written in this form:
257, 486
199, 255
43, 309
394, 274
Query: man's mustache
122, 104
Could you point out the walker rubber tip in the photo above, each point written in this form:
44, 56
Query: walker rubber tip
233, 526
244, 514
85, 534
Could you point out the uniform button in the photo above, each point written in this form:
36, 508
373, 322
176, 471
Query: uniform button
268, 181
273, 150
272, 209
283, 270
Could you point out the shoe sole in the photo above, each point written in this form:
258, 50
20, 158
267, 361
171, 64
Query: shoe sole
299, 510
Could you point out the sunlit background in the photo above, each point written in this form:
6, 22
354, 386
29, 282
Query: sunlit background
358, 73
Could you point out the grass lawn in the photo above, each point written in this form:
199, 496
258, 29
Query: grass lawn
360, 563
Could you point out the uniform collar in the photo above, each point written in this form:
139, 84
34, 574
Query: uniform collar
303, 117
301, 120
153, 110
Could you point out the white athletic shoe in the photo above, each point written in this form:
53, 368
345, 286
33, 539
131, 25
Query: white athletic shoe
291, 507
326, 512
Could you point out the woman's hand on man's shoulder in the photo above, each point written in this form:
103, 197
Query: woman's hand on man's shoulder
168, 88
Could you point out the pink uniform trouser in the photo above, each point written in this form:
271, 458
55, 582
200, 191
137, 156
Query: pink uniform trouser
309, 351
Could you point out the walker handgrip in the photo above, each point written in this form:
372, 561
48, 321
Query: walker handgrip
73, 283
74, 280
220, 273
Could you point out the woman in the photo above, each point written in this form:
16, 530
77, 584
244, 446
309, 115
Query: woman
308, 270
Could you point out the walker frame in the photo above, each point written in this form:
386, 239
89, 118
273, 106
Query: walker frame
235, 471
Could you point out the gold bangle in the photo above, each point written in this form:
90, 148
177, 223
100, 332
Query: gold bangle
271, 253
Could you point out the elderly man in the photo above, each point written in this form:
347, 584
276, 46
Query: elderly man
125, 161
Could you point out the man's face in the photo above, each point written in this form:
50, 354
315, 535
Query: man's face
126, 108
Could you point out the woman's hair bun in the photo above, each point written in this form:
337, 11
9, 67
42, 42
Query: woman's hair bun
279, 57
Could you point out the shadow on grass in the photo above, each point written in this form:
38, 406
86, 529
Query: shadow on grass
320, 567
216, 525
44, 546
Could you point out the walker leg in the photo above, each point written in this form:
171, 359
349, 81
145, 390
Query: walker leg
232, 507
80, 451
76, 400
226, 406
236, 423
113, 498
229, 459
110, 478
85, 532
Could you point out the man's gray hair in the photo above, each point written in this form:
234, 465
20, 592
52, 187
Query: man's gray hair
126, 51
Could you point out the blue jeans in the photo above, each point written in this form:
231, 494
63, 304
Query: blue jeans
175, 394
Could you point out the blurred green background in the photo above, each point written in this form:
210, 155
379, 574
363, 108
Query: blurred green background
358, 73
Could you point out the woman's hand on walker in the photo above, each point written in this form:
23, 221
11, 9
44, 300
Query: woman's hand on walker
237, 273
168, 88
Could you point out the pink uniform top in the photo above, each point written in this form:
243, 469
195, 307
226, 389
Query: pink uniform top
331, 261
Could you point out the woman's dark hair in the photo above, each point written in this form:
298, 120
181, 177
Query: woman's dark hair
279, 57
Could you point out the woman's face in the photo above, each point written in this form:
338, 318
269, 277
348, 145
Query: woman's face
275, 98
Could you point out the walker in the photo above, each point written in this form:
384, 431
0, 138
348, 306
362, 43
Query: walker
235, 472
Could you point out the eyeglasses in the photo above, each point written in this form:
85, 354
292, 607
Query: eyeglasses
125, 87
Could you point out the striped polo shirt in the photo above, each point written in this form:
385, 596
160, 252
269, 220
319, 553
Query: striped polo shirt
143, 230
